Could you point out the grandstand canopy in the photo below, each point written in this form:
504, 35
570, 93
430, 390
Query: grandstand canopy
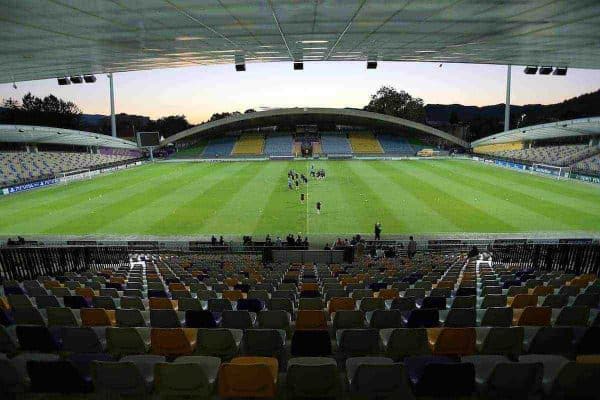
300, 116
553, 130
45, 39
50, 135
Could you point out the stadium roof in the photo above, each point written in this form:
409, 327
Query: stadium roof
300, 116
553, 130
50, 135
45, 39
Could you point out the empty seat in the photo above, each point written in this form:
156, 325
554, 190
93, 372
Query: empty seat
452, 341
440, 377
311, 319
341, 303
98, 317
310, 343
573, 316
132, 376
248, 377
497, 316
502, 341
348, 319
132, 302
358, 342
264, 342
28, 316
494, 300
404, 303
552, 340
555, 301
422, 318
173, 341
237, 319
377, 377
36, 338
129, 317
438, 303
81, 340
533, 316
164, 318
311, 377
57, 377
127, 341
524, 300
400, 343
461, 318
381, 319
464, 302
188, 376
222, 343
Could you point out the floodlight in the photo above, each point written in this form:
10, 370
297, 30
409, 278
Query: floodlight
63, 81
530, 70
89, 78
371, 64
298, 65
240, 67
545, 70
76, 79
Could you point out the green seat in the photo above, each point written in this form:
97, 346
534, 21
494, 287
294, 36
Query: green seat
62, 316
312, 377
188, 376
401, 342
222, 343
127, 341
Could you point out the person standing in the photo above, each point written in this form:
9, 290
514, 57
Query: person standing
301, 198
412, 247
318, 207
290, 183
378, 231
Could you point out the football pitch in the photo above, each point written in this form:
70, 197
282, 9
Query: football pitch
252, 198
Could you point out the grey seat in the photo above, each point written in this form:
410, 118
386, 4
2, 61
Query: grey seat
556, 301
506, 341
573, 316
311, 303
552, 340
106, 302
553, 364
264, 343
497, 316
238, 319
281, 304
381, 319
262, 295
8, 341
127, 341
346, 319
575, 380
132, 376
569, 291
461, 318
358, 342
82, 340
371, 304
219, 305
404, 304
377, 377
491, 290
187, 377
28, 316
515, 290
46, 301
401, 342
222, 343
464, 302
185, 304
132, 302
590, 300
129, 317
109, 292
418, 293
19, 301
312, 377
441, 292
62, 316
493, 300
165, 319
275, 319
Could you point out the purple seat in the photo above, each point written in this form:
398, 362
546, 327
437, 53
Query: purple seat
440, 376
202, 319
422, 318
252, 305
76, 302
13, 290
435, 302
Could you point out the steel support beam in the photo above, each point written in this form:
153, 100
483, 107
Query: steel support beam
507, 104
113, 121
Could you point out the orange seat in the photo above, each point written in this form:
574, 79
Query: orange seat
578, 282
388, 294
97, 317
86, 292
233, 295
452, 341
117, 279
349, 281
445, 285
231, 282
173, 341
341, 303
309, 287
524, 300
162, 303
588, 359
542, 290
176, 286
311, 319
52, 284
4, 304
533, 316
248, 377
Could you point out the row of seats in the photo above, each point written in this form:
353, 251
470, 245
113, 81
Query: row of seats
562, 156
249, 144
412, 316
279, 145
219, 147
364, 143
16, 167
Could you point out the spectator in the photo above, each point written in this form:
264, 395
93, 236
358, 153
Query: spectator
378, 231
221, 241
412, 247
213, 240
327, 247
474, 252
278, 242
305, 243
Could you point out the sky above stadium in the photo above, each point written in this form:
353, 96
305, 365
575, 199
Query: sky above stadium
198, 92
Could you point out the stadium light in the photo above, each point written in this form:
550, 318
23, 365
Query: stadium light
371, 64
89, 78
76, 79
240, 67
63, 81
298, 65
530, 70
545, 70
560, 71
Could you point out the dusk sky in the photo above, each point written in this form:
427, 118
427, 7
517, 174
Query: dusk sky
198, 92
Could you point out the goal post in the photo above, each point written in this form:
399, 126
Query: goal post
558, 172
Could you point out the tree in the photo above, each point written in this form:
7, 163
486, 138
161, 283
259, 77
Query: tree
250, 110
168, 126
453, 117
49, 111
389, 101
218, 116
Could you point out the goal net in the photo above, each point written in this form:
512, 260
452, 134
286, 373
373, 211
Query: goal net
74, 175
558, 172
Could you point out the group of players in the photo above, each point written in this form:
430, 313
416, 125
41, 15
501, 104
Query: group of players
295, 179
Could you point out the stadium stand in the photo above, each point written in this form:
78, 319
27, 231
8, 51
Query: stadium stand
249, 144
494, 148
20, 167
435, 334
590, 164
279, 145
562, 156
335, 143
393, 144
219, 147
365, 143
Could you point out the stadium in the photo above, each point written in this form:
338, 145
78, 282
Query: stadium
298, 252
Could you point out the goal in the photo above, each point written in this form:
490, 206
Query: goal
558, 172
74, 175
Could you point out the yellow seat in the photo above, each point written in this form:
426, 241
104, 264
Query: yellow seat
248, 377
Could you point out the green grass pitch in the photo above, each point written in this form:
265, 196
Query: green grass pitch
237, 198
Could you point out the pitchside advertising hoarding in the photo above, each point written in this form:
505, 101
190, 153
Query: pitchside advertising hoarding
65, 179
